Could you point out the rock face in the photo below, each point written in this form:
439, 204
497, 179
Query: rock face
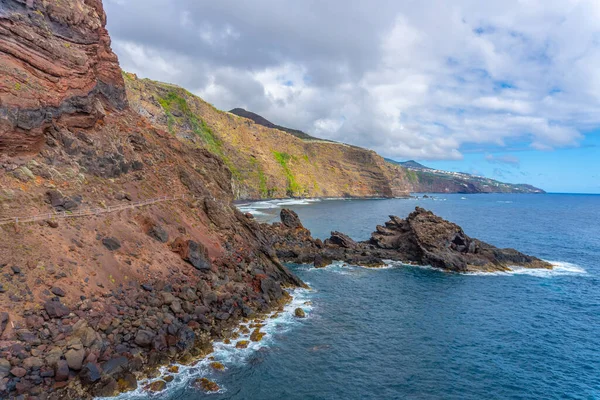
57, 68
422, 238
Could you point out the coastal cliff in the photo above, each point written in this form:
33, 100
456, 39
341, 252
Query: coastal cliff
265, 161
133, 256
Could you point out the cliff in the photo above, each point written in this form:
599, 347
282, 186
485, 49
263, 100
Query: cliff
423, 179
56, 66
266, 161
102, 290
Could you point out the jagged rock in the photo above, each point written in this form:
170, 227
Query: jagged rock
193, 252
206, 384
157, 232
290, 219
321, 261
115, 366
33, 363
56, 309
422, 238
111, 243
341, 240
90, 373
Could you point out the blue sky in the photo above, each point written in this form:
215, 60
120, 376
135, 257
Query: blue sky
566, 170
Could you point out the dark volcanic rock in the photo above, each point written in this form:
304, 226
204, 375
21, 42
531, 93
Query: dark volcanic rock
422, 238
90, 373
58, 291
290, 219
157, 232
56, 309
3, 322
144, 338
193, 252
111, 243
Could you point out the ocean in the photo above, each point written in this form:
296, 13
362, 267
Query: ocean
407, 332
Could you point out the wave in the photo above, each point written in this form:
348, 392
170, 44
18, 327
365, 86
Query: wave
228, 354
560, 268
256, 207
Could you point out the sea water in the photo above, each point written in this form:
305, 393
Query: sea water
406, 332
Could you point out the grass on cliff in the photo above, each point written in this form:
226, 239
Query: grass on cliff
172, 102
293, 187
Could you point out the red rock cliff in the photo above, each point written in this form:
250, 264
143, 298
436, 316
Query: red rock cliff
56, 67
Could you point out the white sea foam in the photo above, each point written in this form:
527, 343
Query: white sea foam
228, 354
560, 268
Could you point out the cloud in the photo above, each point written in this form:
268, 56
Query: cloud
512, 161
408, 79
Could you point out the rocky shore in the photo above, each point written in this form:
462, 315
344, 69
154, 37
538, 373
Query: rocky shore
422, 239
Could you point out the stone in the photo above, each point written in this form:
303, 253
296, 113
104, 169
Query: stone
90, 373
290, 219
56, 309
144, 338
15, 269
147, 287
111, 243
52, 223
53, 356
3, 322
299, 313
115, 366
257, 335
58, 291
193, 252
18, 372
341, 240
206, 384
33, 363
4, 368
158, 233
156, 386
62, 371
217, 366
74, 358
127, 383
242, 344
321, 261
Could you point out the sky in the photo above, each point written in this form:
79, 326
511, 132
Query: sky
509, 89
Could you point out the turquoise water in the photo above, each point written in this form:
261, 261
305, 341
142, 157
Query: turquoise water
418, 333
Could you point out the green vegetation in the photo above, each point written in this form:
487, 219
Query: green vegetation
412, 176
292, 185
17, 86
171, 103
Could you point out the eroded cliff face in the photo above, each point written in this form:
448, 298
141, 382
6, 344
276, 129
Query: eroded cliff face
56, 68
266, 162
90, 304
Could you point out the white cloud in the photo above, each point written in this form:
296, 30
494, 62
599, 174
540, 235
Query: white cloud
407, 79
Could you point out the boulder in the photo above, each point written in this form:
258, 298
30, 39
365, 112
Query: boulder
56, 309
74, 358
111, 243
157, 232
90, 373
18, 372
156, 386
193, 252
290, 219
341, 240
206, 384
299, 313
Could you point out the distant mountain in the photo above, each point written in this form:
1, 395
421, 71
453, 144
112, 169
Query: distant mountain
265, 122
408, 164
429, 180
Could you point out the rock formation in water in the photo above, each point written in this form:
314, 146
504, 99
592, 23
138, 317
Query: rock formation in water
422, 238
88, 305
